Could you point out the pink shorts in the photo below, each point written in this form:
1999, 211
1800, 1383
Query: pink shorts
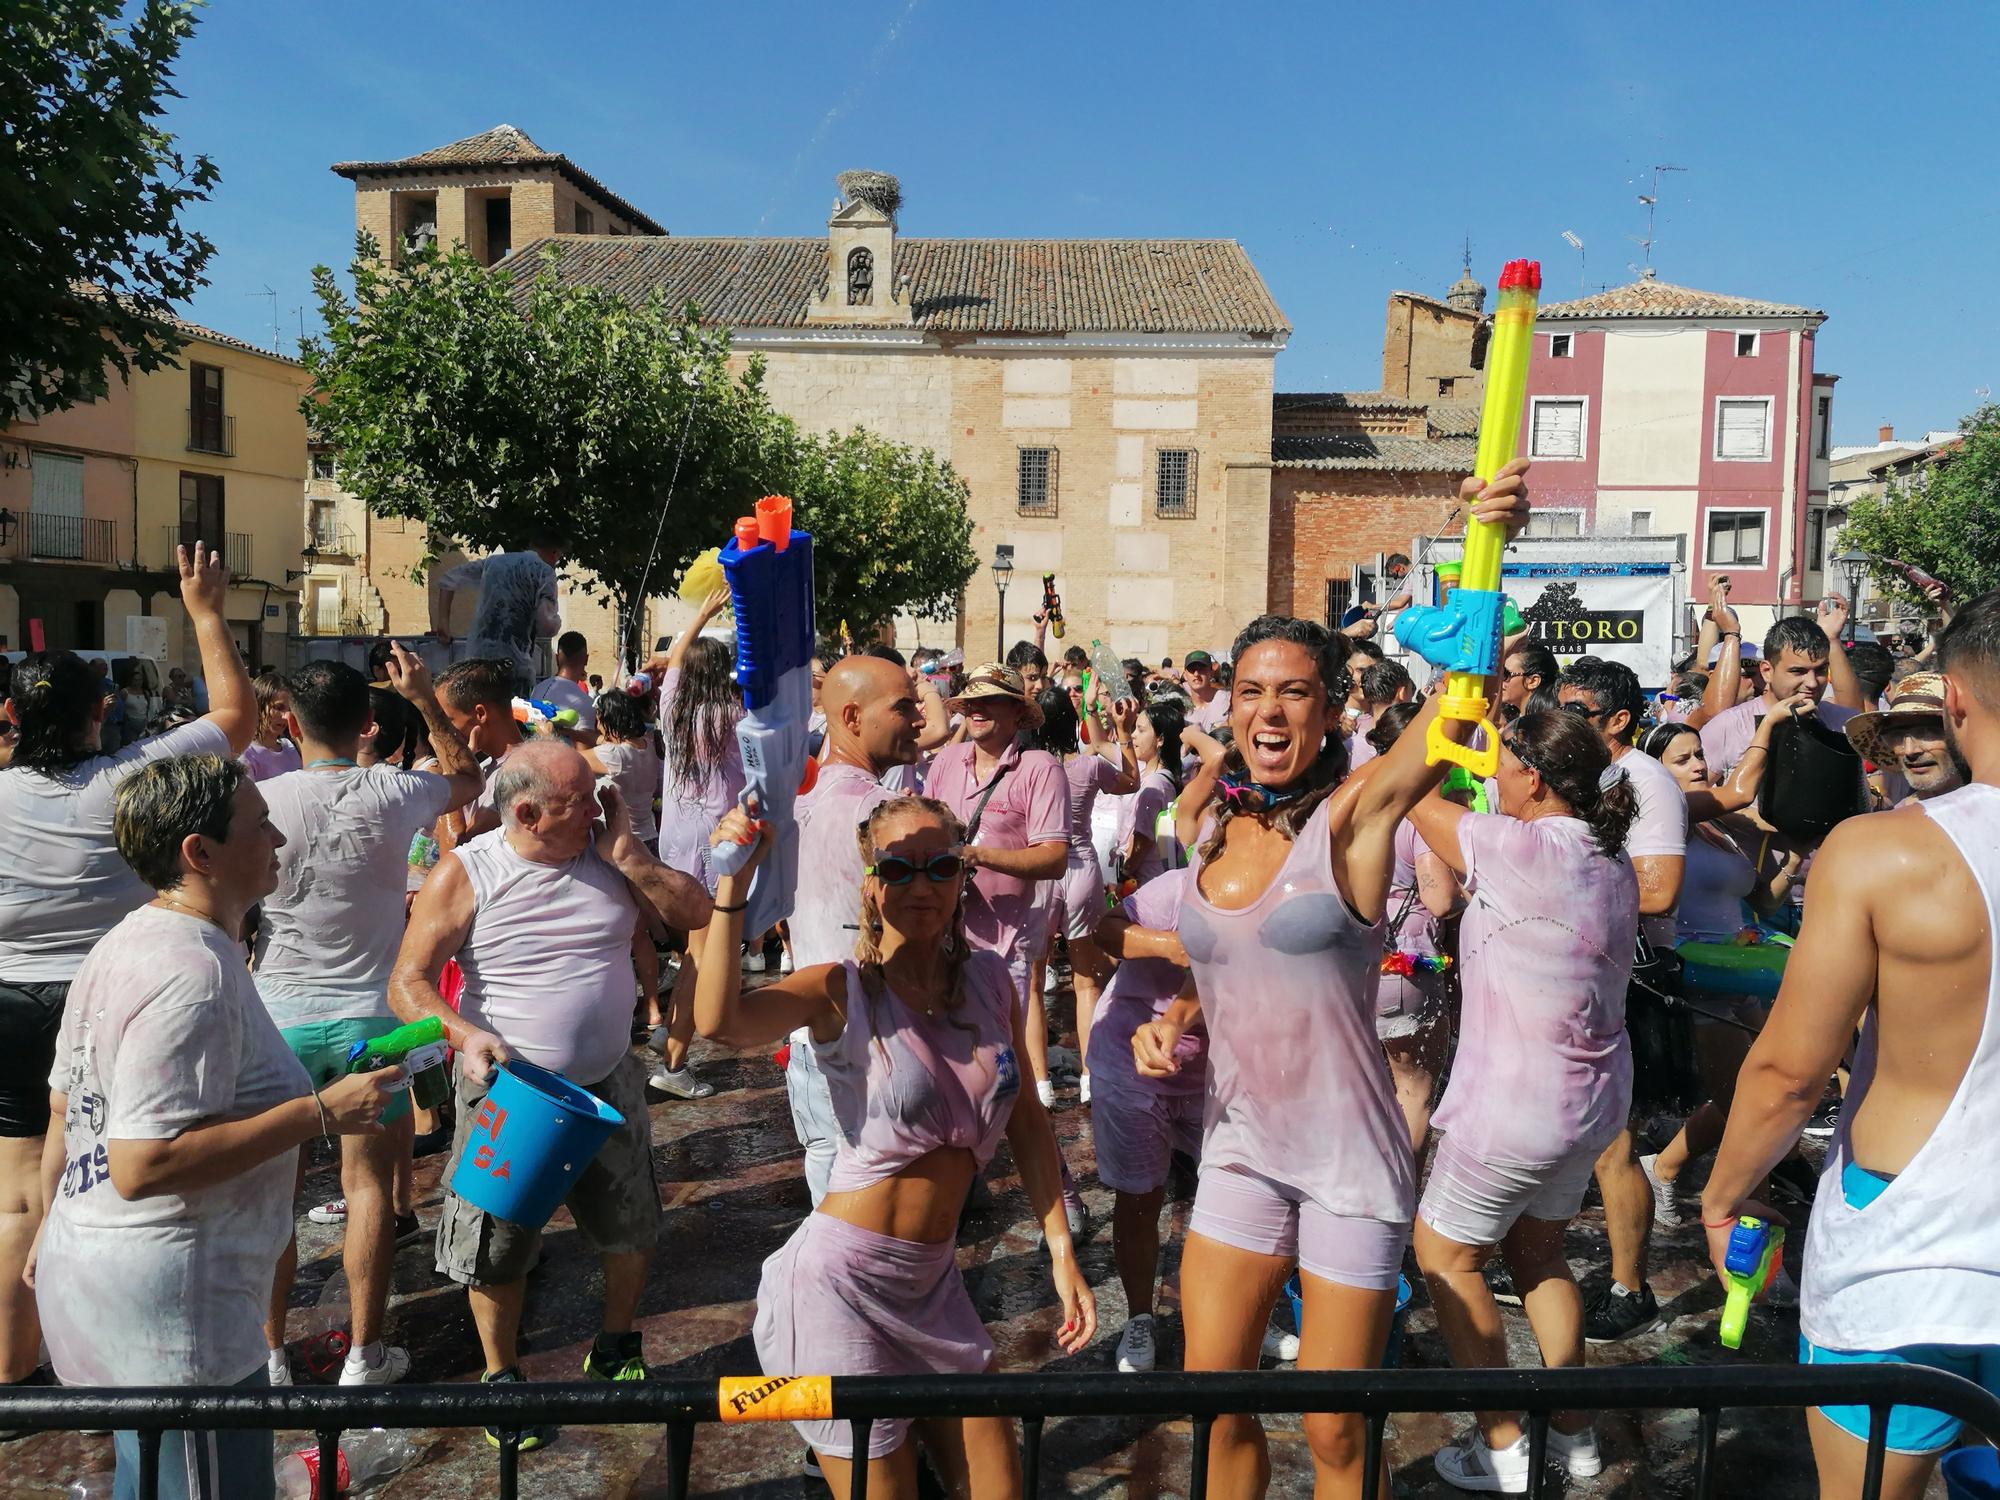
1475, 1202
1254, 1213
1080, 895
1137, 1130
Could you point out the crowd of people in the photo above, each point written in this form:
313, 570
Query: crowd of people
1398, 1021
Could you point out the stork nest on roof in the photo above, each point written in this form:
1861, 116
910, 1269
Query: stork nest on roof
879, 190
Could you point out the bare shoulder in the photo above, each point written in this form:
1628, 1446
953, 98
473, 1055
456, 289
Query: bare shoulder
1910, 880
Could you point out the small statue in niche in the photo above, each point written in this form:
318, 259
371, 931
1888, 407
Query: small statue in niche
860, 278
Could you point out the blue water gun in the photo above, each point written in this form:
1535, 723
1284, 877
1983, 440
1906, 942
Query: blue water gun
1756, 1251
769, 568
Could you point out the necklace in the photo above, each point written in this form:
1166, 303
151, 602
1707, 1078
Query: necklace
196, 912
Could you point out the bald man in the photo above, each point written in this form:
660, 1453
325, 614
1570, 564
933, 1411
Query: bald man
872, 726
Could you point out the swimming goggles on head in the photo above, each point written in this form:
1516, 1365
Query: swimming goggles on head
894, 870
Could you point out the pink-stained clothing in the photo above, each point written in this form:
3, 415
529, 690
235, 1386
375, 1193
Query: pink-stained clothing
263, 764
1544, 1065
1266, 1216
1659, 828
1030, 806
1082, 893
905, 1084
1140, 813
1725, 737
825, 921
1404, 1004
1298, 1089
1718, 880
691, 809
1206, 716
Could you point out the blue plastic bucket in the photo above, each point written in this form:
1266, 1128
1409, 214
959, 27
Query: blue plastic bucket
1972, 1474
1392, 1356
528, 1142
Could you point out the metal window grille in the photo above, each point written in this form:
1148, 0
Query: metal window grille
1339, 597
1174, 478
1035, 482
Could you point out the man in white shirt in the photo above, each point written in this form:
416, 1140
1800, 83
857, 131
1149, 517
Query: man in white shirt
327, 943
569, 687
1211, 703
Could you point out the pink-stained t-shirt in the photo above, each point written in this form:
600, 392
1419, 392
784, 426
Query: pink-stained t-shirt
1141, 989
263, 764
1205, 716
825, 921
1030, 806
1298, 1088
690, 808
904, 1084
1725, 737
1140, 813
1086, 775
1544, 1067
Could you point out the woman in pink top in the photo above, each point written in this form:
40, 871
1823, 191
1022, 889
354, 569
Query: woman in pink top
1144, 852
919, 1038
1305, 1157
1543, 1078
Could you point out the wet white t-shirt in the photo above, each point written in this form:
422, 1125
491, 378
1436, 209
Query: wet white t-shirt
1660, 828
163, 1032
332, 927
566, 694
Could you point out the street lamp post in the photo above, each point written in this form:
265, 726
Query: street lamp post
1003, 573
1854, 563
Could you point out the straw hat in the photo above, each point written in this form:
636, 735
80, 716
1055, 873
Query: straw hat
1917, 699
996, 681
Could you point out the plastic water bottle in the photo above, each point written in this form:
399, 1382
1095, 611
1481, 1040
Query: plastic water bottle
365, 1458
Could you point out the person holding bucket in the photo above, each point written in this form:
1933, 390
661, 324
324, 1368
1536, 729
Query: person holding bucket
919, 1036
539, 914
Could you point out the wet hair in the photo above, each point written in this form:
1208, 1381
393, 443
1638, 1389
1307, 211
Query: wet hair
1968, 649
1027, 653
702, 725
1168, 716
1382, 680
1367, 648
883, 651
478, 680
1076, 656
868, 939
1537, 660
1654, 742
620, 716
330, 700
54, 694
1611, 685
1057, 733
1569, 754
1796, 633
379, 657
166, 800
399, 728
1691, 684
571, 644
1874, 665
1390, 724
1329, 652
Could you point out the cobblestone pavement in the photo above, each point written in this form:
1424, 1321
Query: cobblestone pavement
729, 1169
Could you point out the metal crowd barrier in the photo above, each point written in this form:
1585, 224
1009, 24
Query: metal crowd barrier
680, 1406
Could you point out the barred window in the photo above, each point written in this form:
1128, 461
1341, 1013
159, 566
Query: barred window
1035, 482
1174, 478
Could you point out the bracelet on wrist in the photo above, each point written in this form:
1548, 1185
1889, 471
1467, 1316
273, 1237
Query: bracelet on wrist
325, 1133
1728, 1223
722, 910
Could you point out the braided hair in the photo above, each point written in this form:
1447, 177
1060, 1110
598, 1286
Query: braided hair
55, 695
1329, 651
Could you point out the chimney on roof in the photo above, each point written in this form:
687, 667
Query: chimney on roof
1885, 434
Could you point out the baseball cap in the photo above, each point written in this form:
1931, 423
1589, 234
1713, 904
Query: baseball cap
1197, 659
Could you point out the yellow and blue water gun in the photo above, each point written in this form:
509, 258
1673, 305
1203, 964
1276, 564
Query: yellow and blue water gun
1756, 1251
1462, 634
770, 573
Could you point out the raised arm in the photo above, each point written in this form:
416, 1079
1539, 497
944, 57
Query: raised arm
1200, 789
232, 702
712, 606
1436, 821
456, 763
1726, 680
936, 732
1738, 789
1842, 685
1116, 747
676, 899
813, 997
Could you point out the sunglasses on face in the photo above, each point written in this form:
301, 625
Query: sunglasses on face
894, 870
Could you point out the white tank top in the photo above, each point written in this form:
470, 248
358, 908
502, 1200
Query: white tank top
548, 962
1921, 1264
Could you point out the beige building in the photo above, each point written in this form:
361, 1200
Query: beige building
1107, 401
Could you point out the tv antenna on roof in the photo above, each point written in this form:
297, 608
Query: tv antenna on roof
268, 292
1652, 202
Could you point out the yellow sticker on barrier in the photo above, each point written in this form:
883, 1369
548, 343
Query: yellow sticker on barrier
774, 1398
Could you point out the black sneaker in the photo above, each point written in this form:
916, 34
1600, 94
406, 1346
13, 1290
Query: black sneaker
812, 1462
1820, 1126
1500, 1282
1615, 1314
433, 1142
408, 1229
530, 1438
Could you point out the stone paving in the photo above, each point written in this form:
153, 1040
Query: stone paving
729, 1169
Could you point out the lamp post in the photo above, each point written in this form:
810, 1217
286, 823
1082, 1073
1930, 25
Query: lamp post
1003, 573
310, 557
1854, 563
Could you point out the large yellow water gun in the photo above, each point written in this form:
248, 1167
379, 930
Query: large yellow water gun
1462, 634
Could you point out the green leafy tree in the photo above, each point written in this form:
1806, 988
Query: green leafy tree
492, 404
95, 254
1945, 519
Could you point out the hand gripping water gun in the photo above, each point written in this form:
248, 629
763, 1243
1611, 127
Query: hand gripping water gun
538, 716
769, 568
1462, 635
1052, 605
1756, 1250
418, 1048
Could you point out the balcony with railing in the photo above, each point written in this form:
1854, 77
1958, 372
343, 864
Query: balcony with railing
331, 539
47, 537
238, 547
210, 432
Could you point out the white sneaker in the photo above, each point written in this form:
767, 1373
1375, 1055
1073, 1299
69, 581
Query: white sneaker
1666, 1196
1280, 1345
785, 965
1046, 1092
1469, 1464
329, 1213
394, 1366
278, 1367
1136, 1354
1083, 1088
753, 961
680, 1083
1577, 1452
1050, 983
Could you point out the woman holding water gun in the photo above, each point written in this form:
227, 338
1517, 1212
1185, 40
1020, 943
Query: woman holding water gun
1306, 1157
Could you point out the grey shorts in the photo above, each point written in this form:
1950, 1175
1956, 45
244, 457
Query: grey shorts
616, 1202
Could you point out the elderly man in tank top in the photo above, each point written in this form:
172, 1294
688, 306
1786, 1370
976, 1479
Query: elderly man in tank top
539, 915
1901, 1262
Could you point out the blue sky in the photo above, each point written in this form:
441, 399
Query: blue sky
1841, 155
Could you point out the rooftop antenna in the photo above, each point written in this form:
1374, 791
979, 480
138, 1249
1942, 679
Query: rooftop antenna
267, 292
1577, 245
1652, 202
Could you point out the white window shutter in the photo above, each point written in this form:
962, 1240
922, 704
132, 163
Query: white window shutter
1558, 429
1740, 430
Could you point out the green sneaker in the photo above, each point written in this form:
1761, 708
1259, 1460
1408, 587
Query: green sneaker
530, 1438
625, 1359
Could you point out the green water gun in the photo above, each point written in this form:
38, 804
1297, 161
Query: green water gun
418, 1047
1756, 1251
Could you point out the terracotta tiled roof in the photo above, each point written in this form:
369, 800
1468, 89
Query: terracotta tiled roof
228, 341
1360, 450
1650, 298
1454, 419
956, 286
502, 146
1345, 401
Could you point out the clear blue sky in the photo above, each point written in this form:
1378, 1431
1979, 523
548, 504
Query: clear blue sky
1841, 156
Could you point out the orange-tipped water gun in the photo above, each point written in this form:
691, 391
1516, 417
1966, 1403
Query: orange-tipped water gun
1462, 635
